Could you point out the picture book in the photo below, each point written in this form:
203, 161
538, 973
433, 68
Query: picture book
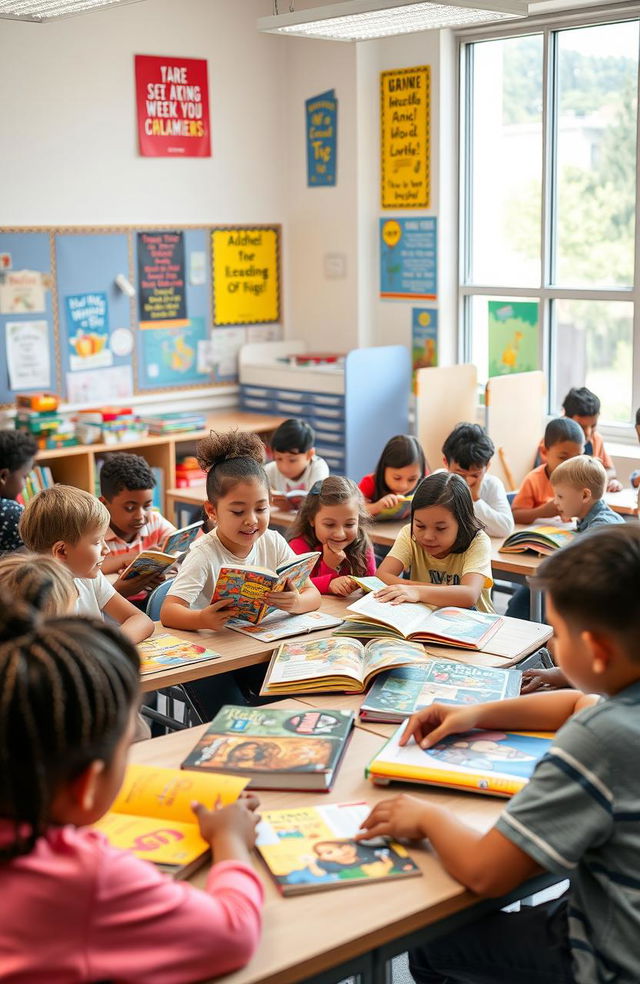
163, 652
247, 586
543, 540
293, 498
308, 849
272, 748
179, 542
152, 816
402, 509
335, 665
461, 627
150, 562
400, 693
280, 625
370, 583
496, 762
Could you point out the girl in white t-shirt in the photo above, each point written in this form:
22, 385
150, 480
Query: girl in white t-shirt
445, 550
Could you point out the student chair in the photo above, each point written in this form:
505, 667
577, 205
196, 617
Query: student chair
155, 599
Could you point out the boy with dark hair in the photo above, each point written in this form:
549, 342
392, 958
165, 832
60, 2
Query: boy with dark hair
126, 486
467, 452
17, 452
295, 463
577, 815
583, 406
563, 439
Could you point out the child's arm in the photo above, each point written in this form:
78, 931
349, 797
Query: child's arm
463, 595
532, 513
307, 599
491, 506
134, 623
543, 679
176, 614
386, 502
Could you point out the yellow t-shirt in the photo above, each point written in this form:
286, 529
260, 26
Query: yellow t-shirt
422, 566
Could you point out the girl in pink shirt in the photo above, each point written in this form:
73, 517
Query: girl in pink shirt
333, 519
76, 909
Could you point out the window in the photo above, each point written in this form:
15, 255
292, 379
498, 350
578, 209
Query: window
548, 210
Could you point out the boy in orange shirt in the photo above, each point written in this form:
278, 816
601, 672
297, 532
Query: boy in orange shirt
563, 439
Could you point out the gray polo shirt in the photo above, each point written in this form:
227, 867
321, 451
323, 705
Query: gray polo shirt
579, 817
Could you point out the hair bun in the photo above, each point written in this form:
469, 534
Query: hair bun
16, 618
216, 448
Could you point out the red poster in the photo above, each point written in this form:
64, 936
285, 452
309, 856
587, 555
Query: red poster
172, 96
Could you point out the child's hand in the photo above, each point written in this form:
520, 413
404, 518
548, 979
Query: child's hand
224, 824
134, 585
433, 723
548, 509
551, 679
398, 593
287, 600
217, 615
342, 585
613, 485
399, 816
333, 556
386, 502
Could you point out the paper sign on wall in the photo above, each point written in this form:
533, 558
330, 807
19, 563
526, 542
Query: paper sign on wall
408, 258
22, 292
172, 96
246, 275
404, 137
161, 277
88, 331
322, 121
27, 347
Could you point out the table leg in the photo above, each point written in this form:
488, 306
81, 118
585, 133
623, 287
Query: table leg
535, 604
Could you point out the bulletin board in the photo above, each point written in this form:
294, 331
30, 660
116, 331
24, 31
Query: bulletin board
66, 326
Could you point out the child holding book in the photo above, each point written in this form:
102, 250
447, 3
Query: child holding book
576, 816
17, 453
333, 519
81, 910
126, 487
563, 439
70, 525
295, 465
444, 549
401, 466
467, 452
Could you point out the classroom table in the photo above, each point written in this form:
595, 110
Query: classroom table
331, 935
624, 502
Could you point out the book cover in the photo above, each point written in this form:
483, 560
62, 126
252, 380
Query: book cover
543, 540
402, 509
280, 625
496, 762
163, 652
179, 542
313, 848
149, 563
247, 586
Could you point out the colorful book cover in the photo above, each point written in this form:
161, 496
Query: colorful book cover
148, 563
312, 848
280, 625
402, 509
248, 586
540, 539
163, 652
180, 541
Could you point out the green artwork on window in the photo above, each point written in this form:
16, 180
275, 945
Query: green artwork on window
513, 337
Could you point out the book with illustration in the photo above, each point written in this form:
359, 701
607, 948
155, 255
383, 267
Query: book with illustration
292, 499
309, 849
543, 540
273, 748
280, 625
401, 510
335, 665
399, 693
247, 586
152, 817
449, 626
151, 562
496, 762
165, 652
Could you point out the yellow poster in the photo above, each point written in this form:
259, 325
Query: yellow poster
246, 275
404, 137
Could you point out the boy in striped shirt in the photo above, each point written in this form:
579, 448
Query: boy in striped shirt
578, 815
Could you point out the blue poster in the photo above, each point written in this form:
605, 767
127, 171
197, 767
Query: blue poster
88, 331
322, 123
171, 356
408, 258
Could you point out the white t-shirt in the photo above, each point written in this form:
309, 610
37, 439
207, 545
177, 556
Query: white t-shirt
316, 471
200, 568
493, 509
93, 594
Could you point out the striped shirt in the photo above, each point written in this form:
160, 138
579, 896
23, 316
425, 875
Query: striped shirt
149, 537
579, 817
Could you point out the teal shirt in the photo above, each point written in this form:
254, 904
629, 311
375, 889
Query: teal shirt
599, 515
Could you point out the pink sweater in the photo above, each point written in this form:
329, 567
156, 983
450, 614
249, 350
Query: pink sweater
322, 575
77, 910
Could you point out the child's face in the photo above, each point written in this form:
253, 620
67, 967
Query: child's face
84, 558
340, 853
401, 481
558, 453
572, 502
435, 529
473, 475
292, 464
12, 482
337, 525
242, 516
130, 511
588, 424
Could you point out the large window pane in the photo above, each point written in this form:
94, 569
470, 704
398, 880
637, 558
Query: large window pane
597, 71
592, 346
506, 161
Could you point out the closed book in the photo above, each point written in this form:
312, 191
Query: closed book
166, 652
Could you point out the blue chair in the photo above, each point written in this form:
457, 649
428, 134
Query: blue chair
511, 496
155, 599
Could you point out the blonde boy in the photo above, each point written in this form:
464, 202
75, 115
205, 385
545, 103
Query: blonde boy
70, 525
578, 487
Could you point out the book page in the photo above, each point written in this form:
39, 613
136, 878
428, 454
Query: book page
151, 791
160, 841
384, 653
317, 658
407, 617
461, 624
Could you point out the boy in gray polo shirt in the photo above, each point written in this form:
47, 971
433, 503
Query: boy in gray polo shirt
578, 816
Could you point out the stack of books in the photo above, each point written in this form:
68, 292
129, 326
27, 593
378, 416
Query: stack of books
174, 423
50, 429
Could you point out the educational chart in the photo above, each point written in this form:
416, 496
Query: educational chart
322, 123
404, 137
172, 98
424, 340
161, 276
513, 337
246, 275
408, 258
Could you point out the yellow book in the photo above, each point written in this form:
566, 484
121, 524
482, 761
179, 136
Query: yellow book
152, 816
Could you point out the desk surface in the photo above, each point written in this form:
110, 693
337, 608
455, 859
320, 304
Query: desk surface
311, 933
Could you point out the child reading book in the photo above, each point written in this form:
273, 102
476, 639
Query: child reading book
563, 439
81, 910
444, 549
576, 816
402, 465
295, 465
467, 452
17, 451
333, 519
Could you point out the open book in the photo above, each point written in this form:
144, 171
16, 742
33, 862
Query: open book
152, 816
313, 848
163, 652
496, 762
540, 539
402, 509
247, 586
461, 627
150, 562
295, 498
335, 665
280, 625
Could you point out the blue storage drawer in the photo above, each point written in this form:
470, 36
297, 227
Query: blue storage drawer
334, 460
257, 403
261, 392
332, 426
330, 438
327, 399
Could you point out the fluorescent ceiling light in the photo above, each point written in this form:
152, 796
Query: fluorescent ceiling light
362, 20
46, 10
